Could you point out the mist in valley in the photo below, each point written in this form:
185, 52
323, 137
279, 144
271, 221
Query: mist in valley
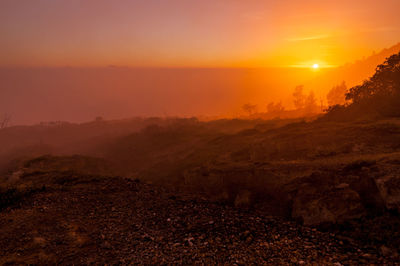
159, 143
328, 164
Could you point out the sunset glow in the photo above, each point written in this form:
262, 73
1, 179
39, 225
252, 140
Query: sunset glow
210, 132
183, 57
194, 33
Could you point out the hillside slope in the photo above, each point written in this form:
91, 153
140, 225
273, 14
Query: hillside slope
275, 168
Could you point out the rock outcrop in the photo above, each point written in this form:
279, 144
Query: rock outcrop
314, 206
389, 189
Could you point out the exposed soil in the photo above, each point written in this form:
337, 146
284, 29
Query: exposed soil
117, 220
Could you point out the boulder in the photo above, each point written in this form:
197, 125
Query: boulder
389, 189
243, 199
313, 205
368, 191
15, 176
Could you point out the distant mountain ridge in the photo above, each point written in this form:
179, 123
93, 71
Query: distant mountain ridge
377, 58
370, 63
352, 73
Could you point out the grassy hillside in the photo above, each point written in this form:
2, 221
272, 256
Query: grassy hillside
272, 165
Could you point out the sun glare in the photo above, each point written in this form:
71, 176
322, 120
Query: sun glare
315, 66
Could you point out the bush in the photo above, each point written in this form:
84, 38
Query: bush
12, 196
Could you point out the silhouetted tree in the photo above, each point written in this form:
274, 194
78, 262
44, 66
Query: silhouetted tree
306, 103
310, 104
249, 108
380, 93
275, 108
337, 94
99, 119
379, 96
299, 98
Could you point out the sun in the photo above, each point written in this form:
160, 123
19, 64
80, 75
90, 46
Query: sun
315, 66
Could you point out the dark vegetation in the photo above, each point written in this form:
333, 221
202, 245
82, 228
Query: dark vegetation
338, 172
306, 106
12, 196
378, 97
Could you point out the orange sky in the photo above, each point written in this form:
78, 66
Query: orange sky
209, 56
207, 33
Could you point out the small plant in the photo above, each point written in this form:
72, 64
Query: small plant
5, 120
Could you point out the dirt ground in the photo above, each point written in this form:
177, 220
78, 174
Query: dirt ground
123, 221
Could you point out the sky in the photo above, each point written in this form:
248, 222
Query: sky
73, 60
186, 33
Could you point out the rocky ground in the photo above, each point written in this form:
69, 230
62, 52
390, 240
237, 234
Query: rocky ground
108, 220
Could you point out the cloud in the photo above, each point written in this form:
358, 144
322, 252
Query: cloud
253, 16
308, 38
381, 29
